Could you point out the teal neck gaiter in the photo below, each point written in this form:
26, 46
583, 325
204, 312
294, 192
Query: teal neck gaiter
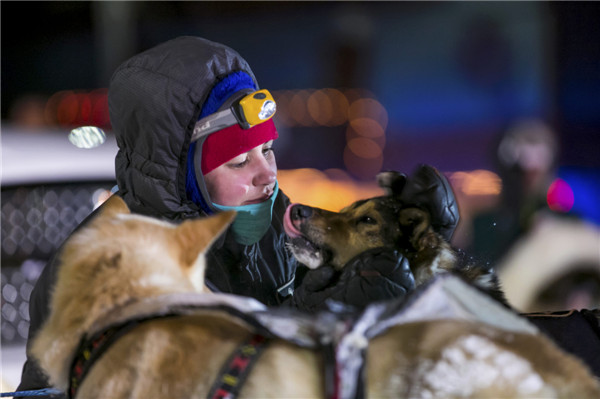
252, 221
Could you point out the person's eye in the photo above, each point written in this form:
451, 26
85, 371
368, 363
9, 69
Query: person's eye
267, 151
238, 163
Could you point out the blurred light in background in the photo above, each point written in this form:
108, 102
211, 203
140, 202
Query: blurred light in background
476, 182
334, 189
585, 186
326, 107
331, 189
560, 196
365, 119
70, 108
87, 137
365, 135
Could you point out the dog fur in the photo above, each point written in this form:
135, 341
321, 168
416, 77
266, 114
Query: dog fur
461, 359
119, 258
319, 237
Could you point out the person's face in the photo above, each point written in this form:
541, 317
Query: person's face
246, 179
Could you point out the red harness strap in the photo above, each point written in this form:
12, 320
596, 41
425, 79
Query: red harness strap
237, 368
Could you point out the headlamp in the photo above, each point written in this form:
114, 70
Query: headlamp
248, 111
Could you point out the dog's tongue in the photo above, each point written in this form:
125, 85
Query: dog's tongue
288, 225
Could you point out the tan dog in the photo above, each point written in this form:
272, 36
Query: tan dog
120, 259
321, 237
460, 359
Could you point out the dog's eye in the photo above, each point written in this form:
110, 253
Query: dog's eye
367, 220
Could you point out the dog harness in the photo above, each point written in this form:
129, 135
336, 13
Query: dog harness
227, 385
92, 349
341, 339
237, 368
278, 323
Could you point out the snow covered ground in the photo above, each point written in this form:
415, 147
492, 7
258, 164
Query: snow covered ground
13, 357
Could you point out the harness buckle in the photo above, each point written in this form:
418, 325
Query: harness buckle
287, 289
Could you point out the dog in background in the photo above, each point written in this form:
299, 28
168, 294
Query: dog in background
319, 237
119, 259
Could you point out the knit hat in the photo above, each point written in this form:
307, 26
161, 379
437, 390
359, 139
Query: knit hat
228, 143
223, 145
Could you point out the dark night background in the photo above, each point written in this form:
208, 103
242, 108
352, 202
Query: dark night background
451, 75
437, 82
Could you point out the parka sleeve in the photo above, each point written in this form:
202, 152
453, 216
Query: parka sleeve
32, 376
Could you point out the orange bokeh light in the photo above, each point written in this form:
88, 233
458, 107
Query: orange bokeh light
365, 148
368, 108
477, 182
298, 109
363, 168
367, 127
331, 190
320, 108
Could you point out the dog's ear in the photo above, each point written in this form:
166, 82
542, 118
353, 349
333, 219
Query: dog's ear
195, 236
114, 205
415, 225
392, 182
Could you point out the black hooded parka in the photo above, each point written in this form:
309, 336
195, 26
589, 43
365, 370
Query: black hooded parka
155, 99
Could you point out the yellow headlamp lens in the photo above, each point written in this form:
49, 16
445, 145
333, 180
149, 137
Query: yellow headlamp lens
258, 107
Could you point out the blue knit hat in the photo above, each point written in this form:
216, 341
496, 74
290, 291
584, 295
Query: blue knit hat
220, 93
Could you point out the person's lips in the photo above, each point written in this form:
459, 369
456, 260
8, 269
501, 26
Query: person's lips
256, 201
260, 199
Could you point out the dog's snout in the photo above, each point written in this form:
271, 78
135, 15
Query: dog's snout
301, 212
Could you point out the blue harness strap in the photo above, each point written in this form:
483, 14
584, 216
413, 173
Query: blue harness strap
33, 392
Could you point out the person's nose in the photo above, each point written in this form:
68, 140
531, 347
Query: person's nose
266, 174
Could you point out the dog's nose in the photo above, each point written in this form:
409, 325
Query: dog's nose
300, 212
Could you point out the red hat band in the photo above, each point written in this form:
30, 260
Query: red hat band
228, 143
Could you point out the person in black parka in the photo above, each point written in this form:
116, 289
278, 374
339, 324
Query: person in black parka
157, 100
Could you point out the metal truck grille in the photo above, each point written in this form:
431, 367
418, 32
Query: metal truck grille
35, 220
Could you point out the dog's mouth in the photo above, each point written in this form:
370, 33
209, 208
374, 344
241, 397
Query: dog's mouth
289, 225
303, 248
